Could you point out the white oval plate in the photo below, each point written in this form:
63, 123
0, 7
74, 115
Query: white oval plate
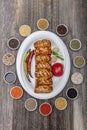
58, 83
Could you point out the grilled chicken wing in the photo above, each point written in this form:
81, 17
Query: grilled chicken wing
44, 80
42, 43
43, 72
43, 58
43, 65
43, 51
43, 89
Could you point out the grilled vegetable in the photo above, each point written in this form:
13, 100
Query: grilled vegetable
25, 64
55, 49
53, 59
29, 59
57, 55
57, 69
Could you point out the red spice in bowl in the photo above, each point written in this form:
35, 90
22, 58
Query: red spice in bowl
45, 109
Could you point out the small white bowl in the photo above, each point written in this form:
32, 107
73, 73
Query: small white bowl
74, 77
63, 99
78, 41
77, 65
14, 77
11, 47
50, 109
13, 88
62, 35
12, 62
34, 101
45, 20
69, 97
28, 27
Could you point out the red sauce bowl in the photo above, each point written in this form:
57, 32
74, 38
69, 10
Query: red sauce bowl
45, 109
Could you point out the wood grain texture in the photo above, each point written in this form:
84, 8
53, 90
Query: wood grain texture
14, 13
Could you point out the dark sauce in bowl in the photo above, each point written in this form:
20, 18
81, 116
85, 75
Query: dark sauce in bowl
72, 93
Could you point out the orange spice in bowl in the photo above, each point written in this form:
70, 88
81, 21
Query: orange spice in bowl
16, 92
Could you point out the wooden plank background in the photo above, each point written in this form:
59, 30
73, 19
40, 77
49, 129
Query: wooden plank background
14, 13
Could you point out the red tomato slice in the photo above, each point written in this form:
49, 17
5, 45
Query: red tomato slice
57, 69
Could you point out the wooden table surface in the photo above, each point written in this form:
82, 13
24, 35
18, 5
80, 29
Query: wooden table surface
14, 13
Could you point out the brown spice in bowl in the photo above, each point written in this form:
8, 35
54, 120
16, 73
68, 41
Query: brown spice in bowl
31, 104
8, 59
42, 24
62, 30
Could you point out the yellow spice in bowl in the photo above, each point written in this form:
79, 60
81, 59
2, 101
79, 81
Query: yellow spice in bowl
24, 30
60, 103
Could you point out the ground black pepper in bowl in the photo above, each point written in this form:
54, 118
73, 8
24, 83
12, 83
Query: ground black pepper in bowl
72, 93
62, 30
13, 43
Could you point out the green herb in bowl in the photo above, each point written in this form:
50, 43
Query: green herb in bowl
75, 44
